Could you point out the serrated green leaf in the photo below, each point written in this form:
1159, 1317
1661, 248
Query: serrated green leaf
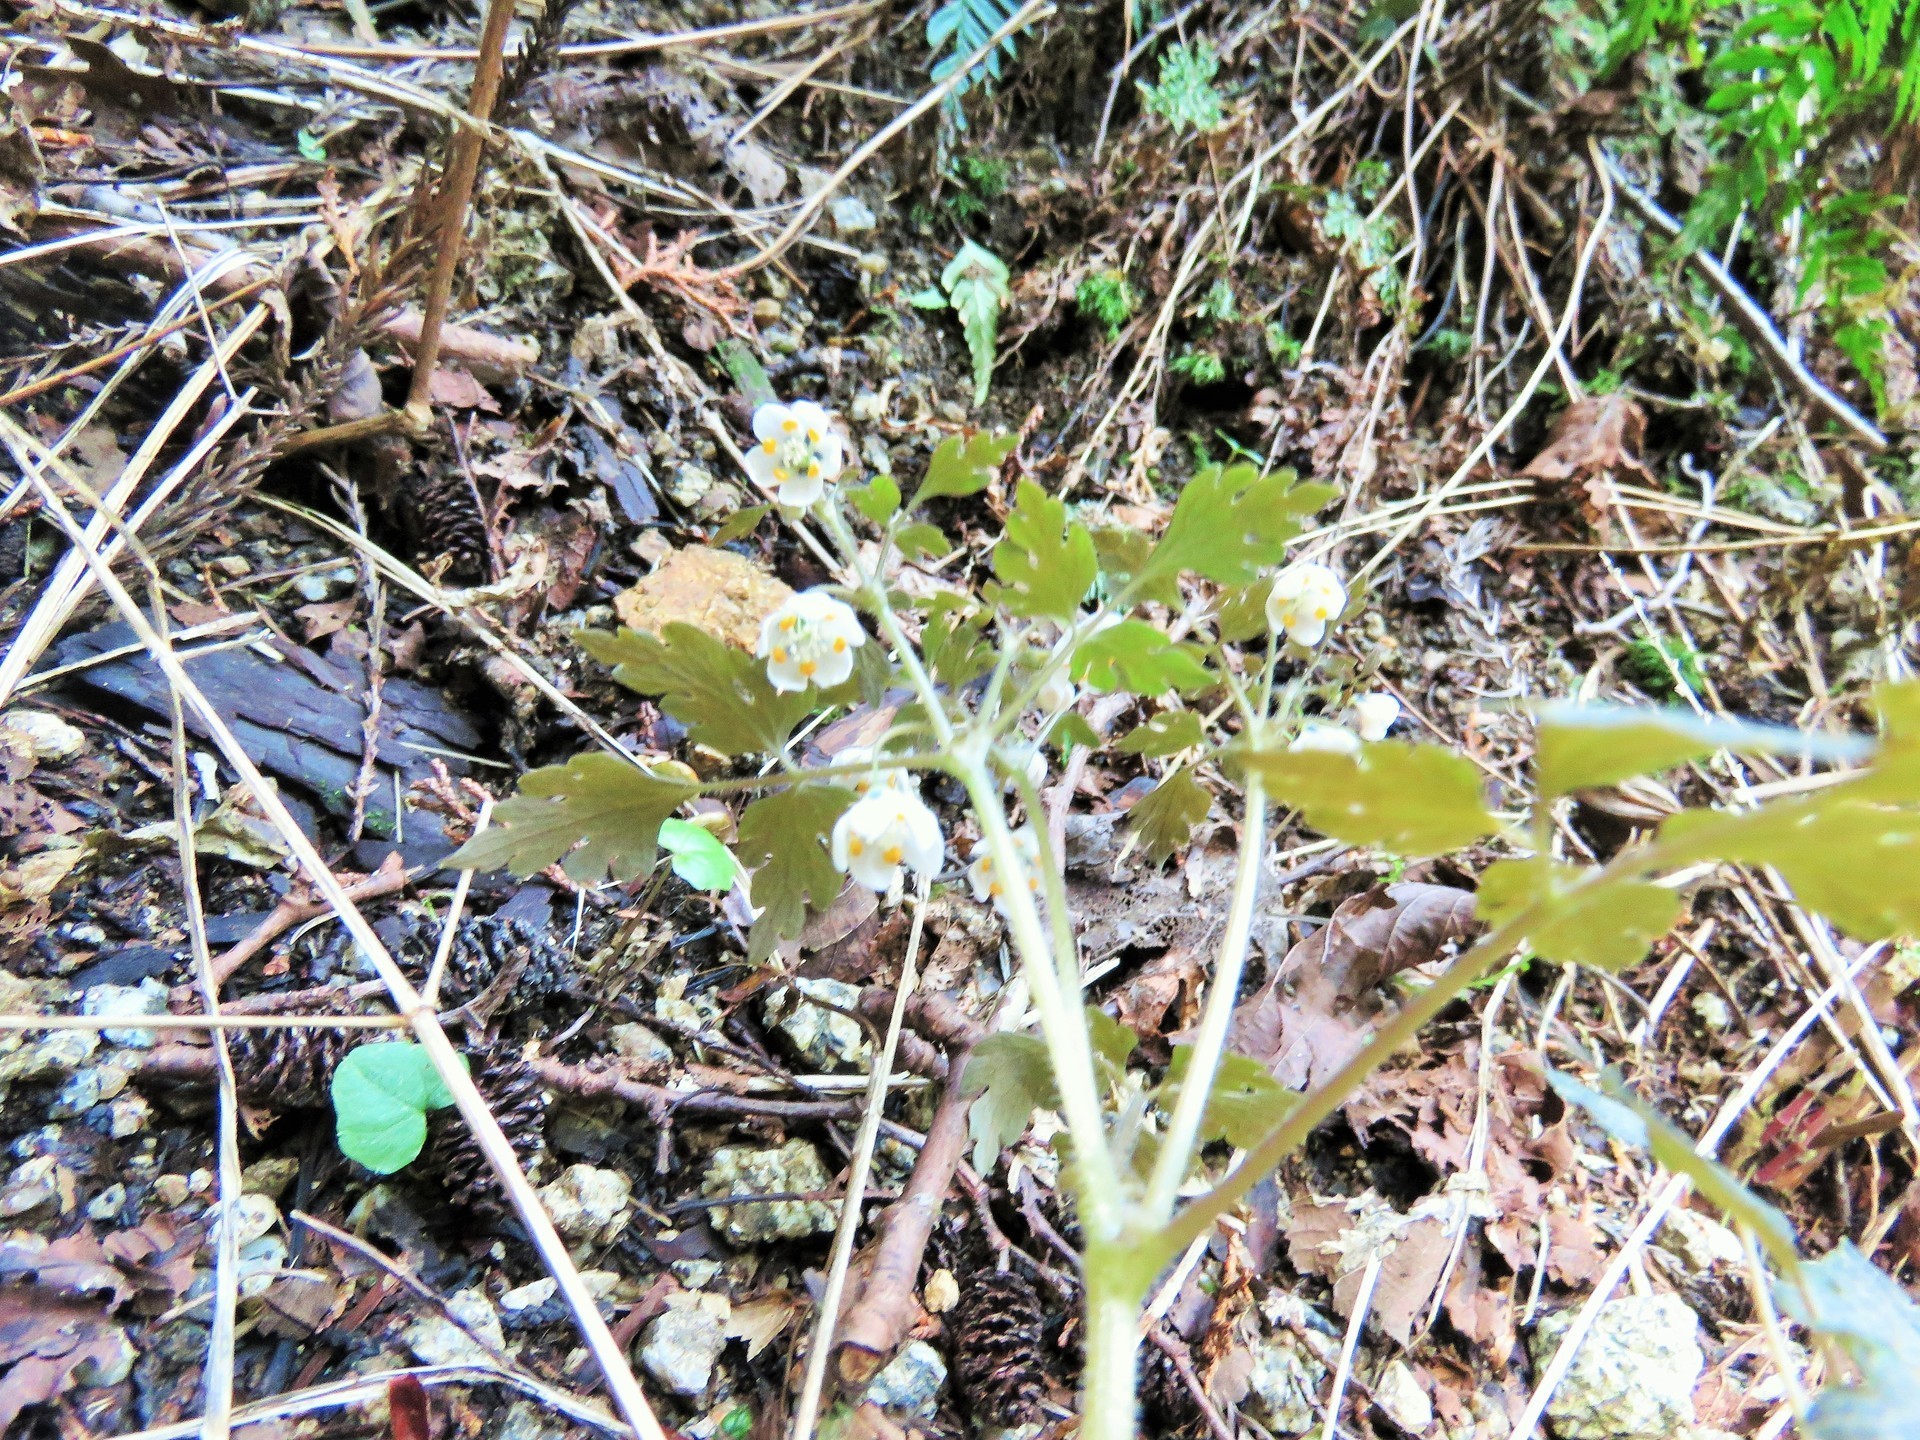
1230, 524
1011, 1076
964, 466
954, 642
928, 299
698, 857
1121, 551
608, 807
1410, 799
1138, 657
1632, 1121
878, 500
1846, 1297
1240, 614
1608, 926
741, 522
381, 1095
1165, 734
1071, 729
1245, 1104
720, 693
1112, 1041
783, 841
920, 540
1045, 561
1584, 746
1165, 816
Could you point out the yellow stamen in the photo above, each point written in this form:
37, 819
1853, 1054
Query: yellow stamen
995, 890
788, 623
789, 426
779, 654
779, 474
891, 854
856, 846
839, 645
807, 667
770, 446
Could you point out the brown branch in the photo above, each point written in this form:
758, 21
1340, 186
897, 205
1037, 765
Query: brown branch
391, 876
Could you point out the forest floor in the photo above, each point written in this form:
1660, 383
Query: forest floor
1232, 230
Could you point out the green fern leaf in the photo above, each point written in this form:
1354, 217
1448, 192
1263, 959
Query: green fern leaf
966, 25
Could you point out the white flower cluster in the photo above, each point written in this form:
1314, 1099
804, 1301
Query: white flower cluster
1305, 599
798, 452
810, 640
886, 828
1373, 715
987, 885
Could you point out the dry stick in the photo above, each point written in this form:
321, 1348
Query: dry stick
430, 991
1753, 319
456, 194
446, 1060
391, 877
807, 1411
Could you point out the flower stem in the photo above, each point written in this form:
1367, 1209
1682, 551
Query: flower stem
1108, 1407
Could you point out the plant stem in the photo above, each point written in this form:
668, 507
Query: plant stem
1108, 1407
1183, 1130
456, 194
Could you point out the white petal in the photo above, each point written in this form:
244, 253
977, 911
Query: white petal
800, 491
769, 420
785, 675
810, 415
1332, 739
980, 878
1307, 631
842, 830
872, 870
832, 456
834, 669
760, 467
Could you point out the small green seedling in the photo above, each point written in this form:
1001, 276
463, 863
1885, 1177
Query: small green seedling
1199, 367
1186, 97
1106, 298
975, 287
699, 859
381, 1095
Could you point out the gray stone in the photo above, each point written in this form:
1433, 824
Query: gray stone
634, 1041
1286, 1382
910, 1384
1633, 1377
852, 216
794, 1168
823, 1039
1402, 1400
589, 1204
1699, 1242
149, 997
437, 1340
681, 1347
525, 1420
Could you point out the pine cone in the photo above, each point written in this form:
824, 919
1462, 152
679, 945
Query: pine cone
997, 1348
1165, 1400
286, 1068
483, 947
443, 516
512, 1092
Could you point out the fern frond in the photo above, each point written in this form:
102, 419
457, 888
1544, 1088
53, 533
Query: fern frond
967, 25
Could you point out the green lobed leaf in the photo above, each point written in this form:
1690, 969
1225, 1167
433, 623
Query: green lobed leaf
609, 808
1072, 729
1011, 1076
381, 1095
953, 640
976, 284
1230, 524
698, 857
1165, 734
1410, 799
741, 522
1846, 1297
1045, 561
1584, 746
783, 841
719, 692
1245, 1105
1632, 1121
1164, 818
878, 500
964, 466
921, 541
1136, 656
1113, 1042
1608, 926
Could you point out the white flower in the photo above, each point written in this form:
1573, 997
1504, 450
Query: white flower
1304, 598
891, 778
1374, 714
810, 640
798, 453
1057, 695
989, 886
890, 827
1334, 739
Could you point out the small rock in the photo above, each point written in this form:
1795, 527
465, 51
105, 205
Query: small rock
1698, 1241
793, 1168
312, 586
942, 1292
782, 341
1286, 1381
681, 1347
911, 1382
31, 1185
686, 484
852, 216
766, 310
256, 1215
529, 1296
270, 1176
867, 408
634, 1041
1403, 1400
713, 590
128, 1116
589, 1204
79, 1095
822, 1038
58, 1053
52, 740
231, 566
697, 1274
149, 997
1633, 1377
525, 1420
873, 262
436, 1340
170, 1190
110, 1359
105, 1207
1712, 1011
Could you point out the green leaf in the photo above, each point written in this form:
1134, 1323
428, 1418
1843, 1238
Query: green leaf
1240, 614
1409, 799
966, 466
312, 148
1245, 1105
1632, 1121
953, 640
1112, 1041
1072, 729
610, 808
1136, 656
1165, 816
976, 284
1846, 1297
1122, 552
878, 500
1230, 525
1585, 746
1045, 561
1165, 734
741, 522
928, 299
698, 858
1607, 926
381, 1095
719, 692
1012, 1076
920, 540
783, 841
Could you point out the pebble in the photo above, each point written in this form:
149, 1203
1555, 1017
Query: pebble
149, 997
33, 1184
823, 1039
525, 1420
170, 1190
436, 1340
1698, 1241
105, 1208
1712, 1011
1633, 1377
1286, 1381
874, 262
942, 1292
766, 310
795, 1167
867, 408
911, 1382
530, 1296
589, 1204
52, 739
852, 216
269, 1176
1403, 1400
61, 1051
681, 1347
634, 1041
128, 1116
